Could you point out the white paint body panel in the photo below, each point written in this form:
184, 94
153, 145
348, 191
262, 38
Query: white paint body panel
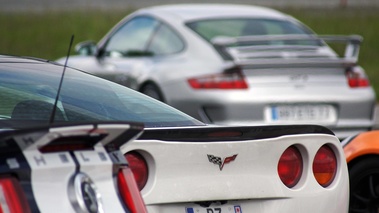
51, 173
180, 175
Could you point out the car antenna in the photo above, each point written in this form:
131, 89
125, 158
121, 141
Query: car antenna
52, 116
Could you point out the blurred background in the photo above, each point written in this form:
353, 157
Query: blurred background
43, 28
43, 5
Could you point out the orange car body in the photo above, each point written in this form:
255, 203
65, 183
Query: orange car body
364, 144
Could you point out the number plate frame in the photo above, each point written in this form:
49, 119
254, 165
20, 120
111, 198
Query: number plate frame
216, 209
317, 113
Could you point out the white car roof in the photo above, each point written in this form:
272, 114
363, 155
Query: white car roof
190, 12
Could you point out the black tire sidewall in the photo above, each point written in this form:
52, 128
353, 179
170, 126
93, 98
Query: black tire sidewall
363, 168
359, 171
153, 91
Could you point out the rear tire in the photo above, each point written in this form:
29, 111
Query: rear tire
153, 91
364, 186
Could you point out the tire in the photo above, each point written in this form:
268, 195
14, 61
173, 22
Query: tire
153, 91
364, 186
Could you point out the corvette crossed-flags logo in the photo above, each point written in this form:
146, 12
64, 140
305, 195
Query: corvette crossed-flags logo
217, 160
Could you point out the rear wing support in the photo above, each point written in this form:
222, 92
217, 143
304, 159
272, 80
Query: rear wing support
353, 43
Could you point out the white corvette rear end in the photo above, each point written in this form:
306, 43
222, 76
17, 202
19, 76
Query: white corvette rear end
241, 169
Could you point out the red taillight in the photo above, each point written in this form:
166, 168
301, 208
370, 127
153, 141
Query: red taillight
129, 191
356, 78
325, 166
229, 79
290, 166
139, 167
12, 198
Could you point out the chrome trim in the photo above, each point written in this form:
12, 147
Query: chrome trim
83, 194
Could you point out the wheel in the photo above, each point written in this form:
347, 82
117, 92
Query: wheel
364, 186
153, 91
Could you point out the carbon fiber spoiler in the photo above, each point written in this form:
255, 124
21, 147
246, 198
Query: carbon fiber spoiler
230, 133
277, 50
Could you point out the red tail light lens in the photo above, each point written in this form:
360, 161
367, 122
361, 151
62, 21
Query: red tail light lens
230, 79
290, 166
12, 198
356, 78
139, 167
129, 191
325, 166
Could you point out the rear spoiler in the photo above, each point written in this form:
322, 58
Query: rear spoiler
256, 52
76, 137
231, 133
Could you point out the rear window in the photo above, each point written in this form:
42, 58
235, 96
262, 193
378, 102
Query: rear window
209, 29
27, 93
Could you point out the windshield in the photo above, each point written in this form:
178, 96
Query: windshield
28, 91
237, 27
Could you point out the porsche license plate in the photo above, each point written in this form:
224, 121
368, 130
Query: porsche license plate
302, 113
218, 209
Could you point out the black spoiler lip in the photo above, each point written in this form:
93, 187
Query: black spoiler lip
224, 133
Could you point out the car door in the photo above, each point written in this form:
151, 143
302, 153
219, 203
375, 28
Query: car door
136, 48
124, 56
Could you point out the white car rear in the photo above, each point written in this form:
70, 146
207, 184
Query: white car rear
241, 169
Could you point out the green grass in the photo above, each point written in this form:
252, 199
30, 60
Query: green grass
47, 35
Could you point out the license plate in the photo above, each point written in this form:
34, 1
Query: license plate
218, 209
302, 113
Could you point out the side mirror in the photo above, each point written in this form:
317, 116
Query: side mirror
86, 48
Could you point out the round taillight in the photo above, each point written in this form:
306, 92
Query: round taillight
290, 166
325, 166
139, 168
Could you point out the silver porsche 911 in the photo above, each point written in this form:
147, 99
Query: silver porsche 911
236, 65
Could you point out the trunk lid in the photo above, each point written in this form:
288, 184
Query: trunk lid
220, 163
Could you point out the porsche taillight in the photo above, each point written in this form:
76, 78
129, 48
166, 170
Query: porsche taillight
12, 197
139, 167
290, 166
129, 191
325, 166
231, 78
356, 78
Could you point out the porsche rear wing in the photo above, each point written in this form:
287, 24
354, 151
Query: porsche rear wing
277, 50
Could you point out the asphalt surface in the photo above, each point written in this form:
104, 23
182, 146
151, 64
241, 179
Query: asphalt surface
46, 5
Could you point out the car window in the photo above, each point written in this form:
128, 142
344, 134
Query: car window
29, 95
132, 38
210, 29
165, 41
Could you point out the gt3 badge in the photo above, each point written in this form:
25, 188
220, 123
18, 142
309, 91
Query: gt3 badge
217, 160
